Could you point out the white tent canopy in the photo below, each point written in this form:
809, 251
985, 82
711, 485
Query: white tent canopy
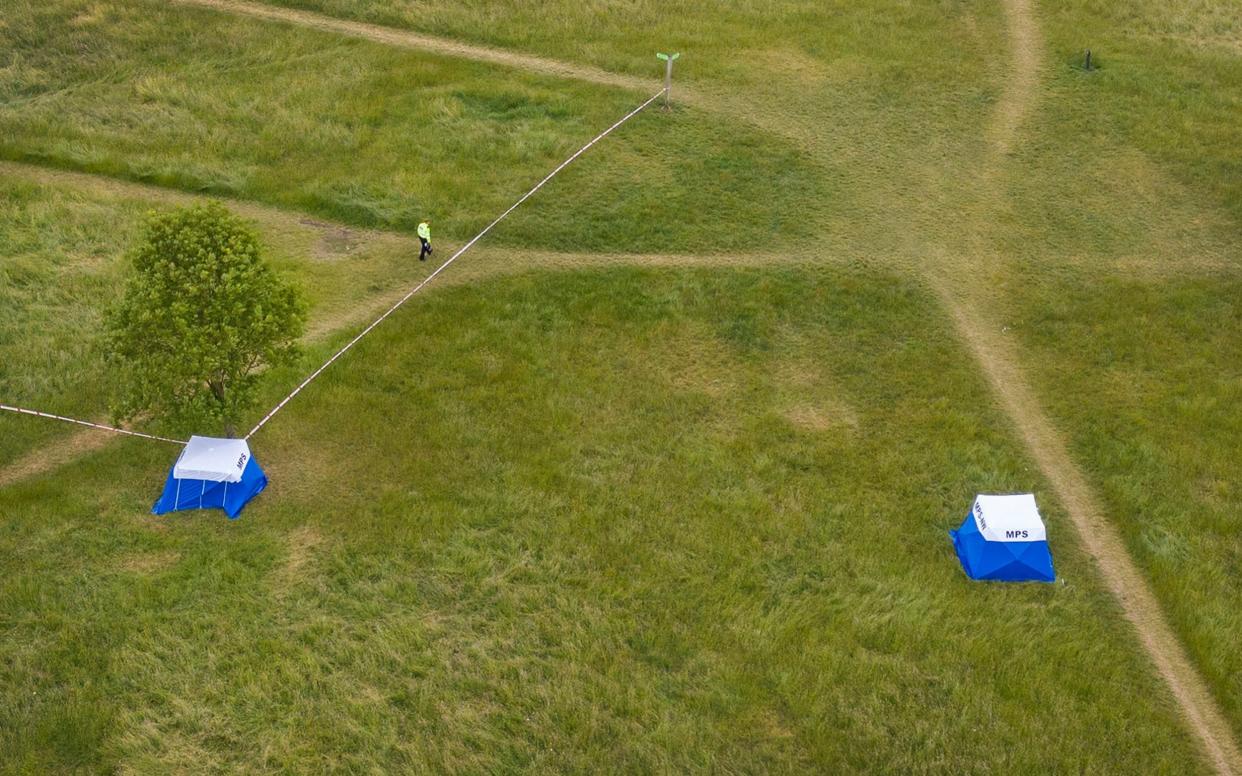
213, 460
1009, 518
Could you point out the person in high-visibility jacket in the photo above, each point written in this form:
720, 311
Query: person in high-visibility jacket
424, 237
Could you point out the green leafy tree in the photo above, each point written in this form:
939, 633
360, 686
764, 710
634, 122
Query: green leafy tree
202, 313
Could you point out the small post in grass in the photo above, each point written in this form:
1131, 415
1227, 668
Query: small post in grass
668, 74
1086, 64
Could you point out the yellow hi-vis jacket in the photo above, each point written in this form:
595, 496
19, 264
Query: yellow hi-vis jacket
424, 231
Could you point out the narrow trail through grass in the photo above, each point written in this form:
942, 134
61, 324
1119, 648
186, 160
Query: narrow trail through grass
52, 456
964, 291
799, 129
1018, 97
518, 259
486, 260
955, 275
997, 354
414, 40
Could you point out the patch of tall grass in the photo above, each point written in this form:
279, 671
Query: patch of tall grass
741, 43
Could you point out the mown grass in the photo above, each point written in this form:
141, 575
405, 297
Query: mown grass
62, 261
372, 135
625, 520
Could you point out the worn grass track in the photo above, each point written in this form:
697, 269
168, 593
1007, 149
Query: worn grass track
999, 357
951, 272
804, 129
489, 587
51, 457
414, 40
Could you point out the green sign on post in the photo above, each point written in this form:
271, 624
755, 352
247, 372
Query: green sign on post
668, 73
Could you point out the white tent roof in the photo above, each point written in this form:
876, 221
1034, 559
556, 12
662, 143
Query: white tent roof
214, 460
1009, 518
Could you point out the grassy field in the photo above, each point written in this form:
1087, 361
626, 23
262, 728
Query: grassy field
1151, 392
655, 520
886, 96
1167, 86
1131, 165
739, 43
61, 261
634, 520
378, 137
1122, 282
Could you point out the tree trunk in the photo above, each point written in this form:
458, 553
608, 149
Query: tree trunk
217, 390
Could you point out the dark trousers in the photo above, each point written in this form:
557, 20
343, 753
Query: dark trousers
426, 251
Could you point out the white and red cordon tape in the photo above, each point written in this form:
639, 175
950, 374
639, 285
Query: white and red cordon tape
101, 427
378, 320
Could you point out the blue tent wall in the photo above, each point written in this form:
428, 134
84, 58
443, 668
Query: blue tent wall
1001, 561
204, 494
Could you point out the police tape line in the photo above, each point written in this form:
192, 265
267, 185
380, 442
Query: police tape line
450, 260
113, 429
377, 321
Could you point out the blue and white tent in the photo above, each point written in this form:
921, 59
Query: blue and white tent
212, 473
1003, 538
